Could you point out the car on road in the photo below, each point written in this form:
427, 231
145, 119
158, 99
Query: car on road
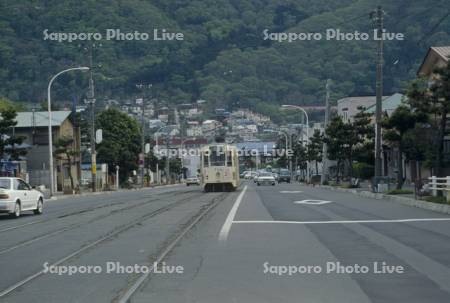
275, 175
243, 174
192, 181
284, 176
265, 178
17, 196
250, 175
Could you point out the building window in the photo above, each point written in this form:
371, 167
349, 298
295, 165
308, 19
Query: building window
345, 114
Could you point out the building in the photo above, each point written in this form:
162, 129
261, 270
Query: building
389, 105
347, 107
194, 129
255, 155
33, 126
210, 125
435, 57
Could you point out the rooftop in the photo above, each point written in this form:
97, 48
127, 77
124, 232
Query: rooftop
40, 119
435, 54
389, 104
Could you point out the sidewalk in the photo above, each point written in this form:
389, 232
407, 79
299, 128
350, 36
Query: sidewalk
402, 199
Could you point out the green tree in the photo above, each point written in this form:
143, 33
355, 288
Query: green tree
362, 138
338, 138
315, 149
434, 99
5, 103
7, 123
121, 141
402, 120
64, 150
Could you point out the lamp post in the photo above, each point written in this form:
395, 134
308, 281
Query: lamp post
50, 135
279, 133
288, 106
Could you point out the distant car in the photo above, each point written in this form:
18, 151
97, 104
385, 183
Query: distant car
255, 177
245, 172
192, 181
265, 178
17, 196
284, 176
250, 175
275, 175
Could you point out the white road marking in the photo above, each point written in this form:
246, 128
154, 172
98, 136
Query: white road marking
348, 221
290, 191
313, 202
223, 235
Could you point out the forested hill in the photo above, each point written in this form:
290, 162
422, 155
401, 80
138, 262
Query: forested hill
223, 57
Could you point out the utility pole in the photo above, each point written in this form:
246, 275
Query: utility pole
142, 155
379, 91
324, 176
167, 158
91, 101
290, 158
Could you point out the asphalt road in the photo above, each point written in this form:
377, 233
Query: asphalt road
283, 243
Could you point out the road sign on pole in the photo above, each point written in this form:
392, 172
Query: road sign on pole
98, 136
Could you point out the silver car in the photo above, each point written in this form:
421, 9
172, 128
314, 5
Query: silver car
265, 178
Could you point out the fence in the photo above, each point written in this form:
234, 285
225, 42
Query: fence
440, 184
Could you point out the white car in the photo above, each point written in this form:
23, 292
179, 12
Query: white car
192, 181
265, 178
17, 196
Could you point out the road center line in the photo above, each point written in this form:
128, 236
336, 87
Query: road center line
223, 235
347, 221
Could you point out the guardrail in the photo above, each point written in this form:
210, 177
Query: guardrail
440, 184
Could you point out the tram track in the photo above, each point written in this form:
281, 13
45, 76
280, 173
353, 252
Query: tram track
112, 234
76, 225
84, 211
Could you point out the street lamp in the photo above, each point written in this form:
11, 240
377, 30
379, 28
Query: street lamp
279, 133
288, 106
50, 136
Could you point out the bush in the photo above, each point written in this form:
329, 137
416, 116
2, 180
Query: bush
363, 171
349, 185
400, 192
440, 200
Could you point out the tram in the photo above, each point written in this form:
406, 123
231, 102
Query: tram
219, 167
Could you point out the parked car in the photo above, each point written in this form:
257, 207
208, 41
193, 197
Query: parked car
265, 178
275, 175
17, 196
284, 176
192, 181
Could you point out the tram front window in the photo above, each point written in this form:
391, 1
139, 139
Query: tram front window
216, 156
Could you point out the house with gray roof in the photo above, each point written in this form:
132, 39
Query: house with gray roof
33, 127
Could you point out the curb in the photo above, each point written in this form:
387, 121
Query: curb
62, 197
436, 207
